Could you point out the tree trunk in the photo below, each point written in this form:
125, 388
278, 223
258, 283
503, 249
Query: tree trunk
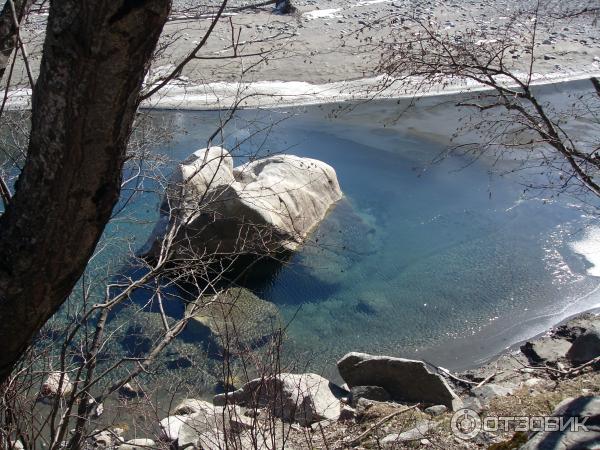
95, 57
8, 29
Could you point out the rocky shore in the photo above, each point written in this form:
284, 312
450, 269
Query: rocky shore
395, 403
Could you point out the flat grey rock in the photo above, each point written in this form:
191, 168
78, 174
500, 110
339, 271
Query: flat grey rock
406, 380
436, 410
546, 350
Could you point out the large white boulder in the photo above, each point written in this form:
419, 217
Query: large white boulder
304, 398
265, 206
57, 384
199, 424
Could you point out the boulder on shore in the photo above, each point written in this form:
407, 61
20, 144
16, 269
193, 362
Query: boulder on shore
262, 207
586, 347
581, 416
545, 350
406, 380
303, 398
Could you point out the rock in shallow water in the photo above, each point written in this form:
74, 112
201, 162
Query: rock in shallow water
261, 207
255, 320
404, 379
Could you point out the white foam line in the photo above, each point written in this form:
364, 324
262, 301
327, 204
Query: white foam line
273, 94
589, 248
295, 93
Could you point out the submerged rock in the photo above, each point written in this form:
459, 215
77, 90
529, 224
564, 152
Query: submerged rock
404, 379
259, 208
253, 319
303, 398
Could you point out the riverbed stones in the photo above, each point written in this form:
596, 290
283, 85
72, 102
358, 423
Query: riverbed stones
253, 319
137, 444
262, 207
406, 380
585, 348
303, 398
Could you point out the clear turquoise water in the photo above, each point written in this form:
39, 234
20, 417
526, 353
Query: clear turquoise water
447, 262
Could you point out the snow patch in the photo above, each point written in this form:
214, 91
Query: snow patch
589, 248
322, 14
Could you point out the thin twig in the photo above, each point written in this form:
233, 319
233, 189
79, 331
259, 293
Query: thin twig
369, 430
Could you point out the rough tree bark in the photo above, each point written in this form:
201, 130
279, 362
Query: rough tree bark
95, 57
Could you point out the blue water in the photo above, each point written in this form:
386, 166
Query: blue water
449, 262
